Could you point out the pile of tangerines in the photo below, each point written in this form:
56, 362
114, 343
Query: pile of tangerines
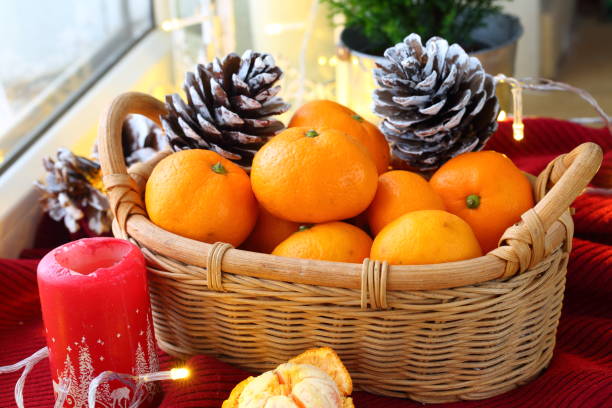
323, 189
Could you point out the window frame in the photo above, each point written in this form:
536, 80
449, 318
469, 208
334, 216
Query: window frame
19, 209
25, 136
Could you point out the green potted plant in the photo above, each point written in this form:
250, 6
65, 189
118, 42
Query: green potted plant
371, 26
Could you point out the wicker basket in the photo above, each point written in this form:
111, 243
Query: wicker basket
433, 333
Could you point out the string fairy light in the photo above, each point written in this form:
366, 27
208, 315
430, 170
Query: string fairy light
541, 84
173, 374
135, 382
518, 128
27, 364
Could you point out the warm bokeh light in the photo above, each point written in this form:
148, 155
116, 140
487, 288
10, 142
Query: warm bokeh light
502, 116
273, 29
179, 23
278, 28
170, 25
179, 373
518, 131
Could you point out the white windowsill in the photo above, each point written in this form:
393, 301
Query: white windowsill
19, 210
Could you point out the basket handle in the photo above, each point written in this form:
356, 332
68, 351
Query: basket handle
123, 191
523, 245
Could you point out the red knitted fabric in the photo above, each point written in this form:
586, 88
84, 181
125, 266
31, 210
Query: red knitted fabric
580, 374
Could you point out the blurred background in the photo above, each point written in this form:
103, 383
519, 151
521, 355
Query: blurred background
62, 62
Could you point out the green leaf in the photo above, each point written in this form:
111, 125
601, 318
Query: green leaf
388, 22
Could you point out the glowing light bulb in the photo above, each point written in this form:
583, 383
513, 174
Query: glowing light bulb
502, 116
333, 61
179, 373
518, 131
322, 60
174, 374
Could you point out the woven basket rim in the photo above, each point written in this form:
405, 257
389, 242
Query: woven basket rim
491, 266
542, 229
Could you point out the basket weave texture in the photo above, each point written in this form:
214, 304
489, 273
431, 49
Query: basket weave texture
433, 333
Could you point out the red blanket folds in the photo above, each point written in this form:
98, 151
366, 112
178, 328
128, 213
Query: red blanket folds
580, 374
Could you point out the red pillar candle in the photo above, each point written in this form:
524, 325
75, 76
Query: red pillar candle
97, 316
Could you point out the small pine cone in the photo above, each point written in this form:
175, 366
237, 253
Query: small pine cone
436, 102
72, 192
141, 138
229, 109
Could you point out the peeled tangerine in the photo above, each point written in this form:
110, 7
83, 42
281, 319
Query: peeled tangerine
314, 379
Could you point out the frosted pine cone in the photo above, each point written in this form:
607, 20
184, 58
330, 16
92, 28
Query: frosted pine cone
72, 192
141, 138
436, 102
230, 107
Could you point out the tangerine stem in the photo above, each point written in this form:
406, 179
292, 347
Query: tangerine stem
311, 133
218, 168
472, 201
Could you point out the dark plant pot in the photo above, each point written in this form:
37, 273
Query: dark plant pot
497, 37
500, 35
